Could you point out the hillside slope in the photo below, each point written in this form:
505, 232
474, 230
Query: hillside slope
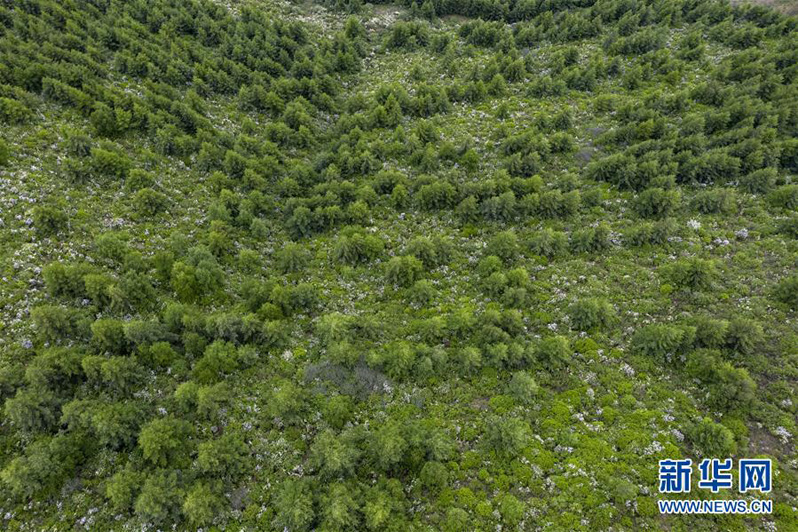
450, 266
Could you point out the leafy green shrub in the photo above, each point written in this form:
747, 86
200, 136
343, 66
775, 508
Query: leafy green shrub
202, 504
357, 248
549, 243
711, 439
506, 435
523, 388
785, 197
122, 489
656, 202
5, 153
710, 333
160, 498
49, 220
294, 505
714, 201
592, 313
659, 341
404, 270
292, 258
554, 351
786, 291
744, 335
165, 442
590, 239
759, 181
691, 274
149, 202
503, 245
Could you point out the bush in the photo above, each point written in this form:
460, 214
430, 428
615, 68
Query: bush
659, 341
523, 388
549, 243
404, 270
714, 201
503, 245
554, 352
711, 439
744, 336
294, 505
785, 197
292, 258
786, 291
49, 220
164, 442
656, 202
357, 248
160, 498
149, 202
759, 181
506, 435
593, 313
202, 504
692, 274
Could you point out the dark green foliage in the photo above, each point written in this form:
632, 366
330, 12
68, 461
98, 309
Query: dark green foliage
593, 313
657, 203
355, 247
404, 270
786, 291
165, 442
691, 274
660, 341
50, 220
711, 439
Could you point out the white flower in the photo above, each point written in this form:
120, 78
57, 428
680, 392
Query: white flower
694, 224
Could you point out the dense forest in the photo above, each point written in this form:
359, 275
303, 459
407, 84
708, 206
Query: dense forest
441, 265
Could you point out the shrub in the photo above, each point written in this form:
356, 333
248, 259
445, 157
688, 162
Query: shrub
357, 248
160, 498
506, 435
122, 489
108, 335
659, 340
404, 270
785, 197
504, 245
439, 195
149, 202
549, 243
202, 504
523, 388
710, 333
691, 274
759, 181
554, 351
223, 457
294, 505
49, 220
592, 313
165, 442
292, 258
656, 202
432, 252
332, 456
744, 335
786, 291
714, 201
591, 239
711, 439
